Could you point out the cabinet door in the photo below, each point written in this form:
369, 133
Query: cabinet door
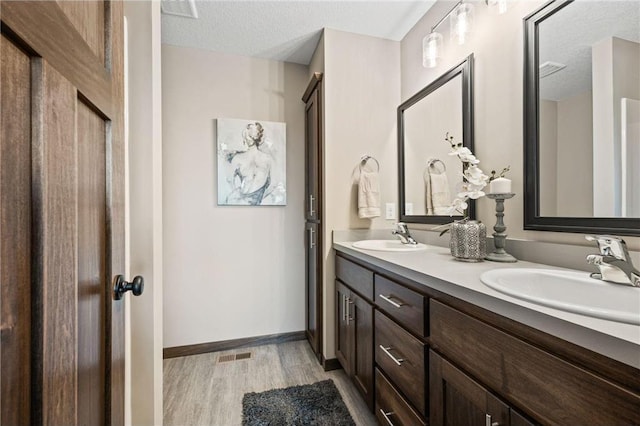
360, 318
343, 331
457, 400
313, 130
312, 289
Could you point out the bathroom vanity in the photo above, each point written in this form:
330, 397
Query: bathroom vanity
427, 343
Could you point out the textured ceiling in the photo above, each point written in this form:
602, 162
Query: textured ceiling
567, 36
287, 30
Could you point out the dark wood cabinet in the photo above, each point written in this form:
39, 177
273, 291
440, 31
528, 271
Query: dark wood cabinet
391, 407
313, 292
313, 212
445, 360
354, 339
343, 335
402, 358
457, 400
543, 385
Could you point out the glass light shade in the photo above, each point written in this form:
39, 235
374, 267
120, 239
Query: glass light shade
431, 50
461, 22
498, 6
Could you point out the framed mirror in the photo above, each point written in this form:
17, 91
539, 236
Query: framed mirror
428, 176
582, 117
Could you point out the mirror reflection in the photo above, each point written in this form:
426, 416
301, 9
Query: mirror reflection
430, 174
429, 177
589, 110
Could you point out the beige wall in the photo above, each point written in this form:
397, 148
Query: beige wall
549, 157
575, 157
144, 365
566, 156
361, 92
497, 45
231, 272
616, 66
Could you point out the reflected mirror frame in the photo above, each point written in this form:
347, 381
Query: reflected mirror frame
532, 218
464, 69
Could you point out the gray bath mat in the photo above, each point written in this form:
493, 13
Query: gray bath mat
315, 404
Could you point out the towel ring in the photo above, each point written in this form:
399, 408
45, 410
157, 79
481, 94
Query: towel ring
365, 158
432, 163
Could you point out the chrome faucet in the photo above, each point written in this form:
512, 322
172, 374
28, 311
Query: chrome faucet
614, 262
402, 232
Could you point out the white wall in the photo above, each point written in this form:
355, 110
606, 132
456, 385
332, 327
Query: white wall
231, 272
145, 210
361, 92
498, 48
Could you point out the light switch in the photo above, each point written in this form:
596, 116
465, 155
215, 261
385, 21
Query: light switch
390, 211
408, 209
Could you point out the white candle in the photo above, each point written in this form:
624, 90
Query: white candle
500, 186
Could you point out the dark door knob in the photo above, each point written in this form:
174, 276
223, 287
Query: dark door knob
121, 286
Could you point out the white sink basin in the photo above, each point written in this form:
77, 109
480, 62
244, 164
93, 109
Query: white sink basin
569, 291
388, 245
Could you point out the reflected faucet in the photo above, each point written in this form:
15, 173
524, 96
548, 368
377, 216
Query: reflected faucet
614, 262
402, 232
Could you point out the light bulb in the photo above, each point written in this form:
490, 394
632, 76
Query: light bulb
461, 22
431, 48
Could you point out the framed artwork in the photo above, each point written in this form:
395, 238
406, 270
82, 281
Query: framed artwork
251, 162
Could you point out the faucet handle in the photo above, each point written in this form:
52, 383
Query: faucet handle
610, 246
402, 227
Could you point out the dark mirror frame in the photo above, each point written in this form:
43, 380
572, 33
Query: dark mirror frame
465, 69
532, 218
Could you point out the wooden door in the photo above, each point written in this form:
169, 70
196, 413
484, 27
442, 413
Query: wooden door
457, 400
313, 213
313, 153
343, 331
62, 228
313, 326
361, 321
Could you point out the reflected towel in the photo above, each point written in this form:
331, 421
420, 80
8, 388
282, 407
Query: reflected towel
368, 195
437, 195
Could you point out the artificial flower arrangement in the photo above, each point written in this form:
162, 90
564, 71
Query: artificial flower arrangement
474, 180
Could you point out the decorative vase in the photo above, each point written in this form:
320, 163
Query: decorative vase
468, 240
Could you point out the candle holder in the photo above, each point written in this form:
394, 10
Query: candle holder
499, 237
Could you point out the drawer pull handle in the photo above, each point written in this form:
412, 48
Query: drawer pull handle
386, 416
388, 299
398, 361
488, 422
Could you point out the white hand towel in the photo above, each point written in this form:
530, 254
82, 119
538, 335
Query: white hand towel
437, 195
368, 195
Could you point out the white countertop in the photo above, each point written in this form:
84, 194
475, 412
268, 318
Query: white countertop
437, 269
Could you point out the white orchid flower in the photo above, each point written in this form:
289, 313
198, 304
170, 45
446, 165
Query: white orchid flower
474, 179
475, 176
458, 205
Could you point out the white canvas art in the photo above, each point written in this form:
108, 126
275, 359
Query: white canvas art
251, 162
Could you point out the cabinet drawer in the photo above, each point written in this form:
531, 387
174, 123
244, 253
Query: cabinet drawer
355, 276
391, 404
403, 305
547, 388
402, 357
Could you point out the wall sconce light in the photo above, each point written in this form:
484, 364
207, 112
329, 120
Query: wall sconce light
461, 22
431, 49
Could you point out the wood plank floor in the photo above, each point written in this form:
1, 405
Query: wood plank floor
199, 390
